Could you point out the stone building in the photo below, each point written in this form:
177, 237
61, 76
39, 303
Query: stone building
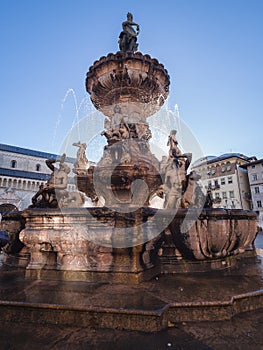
228, 179
22, 171
255, 176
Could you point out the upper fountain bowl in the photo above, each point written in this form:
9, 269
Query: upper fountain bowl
127, 78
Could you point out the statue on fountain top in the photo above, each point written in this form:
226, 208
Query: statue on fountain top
128, 36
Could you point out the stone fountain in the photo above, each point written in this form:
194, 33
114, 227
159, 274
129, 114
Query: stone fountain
125, 240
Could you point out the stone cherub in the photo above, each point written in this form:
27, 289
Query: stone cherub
128, 36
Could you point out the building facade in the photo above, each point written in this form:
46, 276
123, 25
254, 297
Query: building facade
227, 179
22, 171
255, 176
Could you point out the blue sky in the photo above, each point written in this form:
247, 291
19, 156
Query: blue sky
212, 49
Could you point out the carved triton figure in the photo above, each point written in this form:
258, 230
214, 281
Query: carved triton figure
128, 37
56, 184
175, 153
54, 193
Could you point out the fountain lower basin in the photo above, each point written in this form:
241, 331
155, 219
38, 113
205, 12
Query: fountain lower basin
100, 245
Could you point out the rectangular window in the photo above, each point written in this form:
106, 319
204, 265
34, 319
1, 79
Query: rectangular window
231, 194
223, 181
259, 204
224, 195
254, 177
217, 195
230, 180
257, 189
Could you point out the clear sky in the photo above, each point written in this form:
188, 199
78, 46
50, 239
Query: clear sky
212, 49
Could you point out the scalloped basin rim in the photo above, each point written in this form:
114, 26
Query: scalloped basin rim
126, 55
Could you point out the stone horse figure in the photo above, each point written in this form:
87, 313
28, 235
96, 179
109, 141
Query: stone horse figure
128, 37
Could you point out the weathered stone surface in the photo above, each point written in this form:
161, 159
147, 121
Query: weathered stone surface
66, 242
242, 332
150, 306
214, 234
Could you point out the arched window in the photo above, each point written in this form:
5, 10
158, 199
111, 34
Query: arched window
13, 163
38, 167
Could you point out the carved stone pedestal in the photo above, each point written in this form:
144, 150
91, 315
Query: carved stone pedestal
100, 245
63, 246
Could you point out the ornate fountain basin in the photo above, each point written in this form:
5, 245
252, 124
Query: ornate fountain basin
136, 81
215, 234
82, 240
